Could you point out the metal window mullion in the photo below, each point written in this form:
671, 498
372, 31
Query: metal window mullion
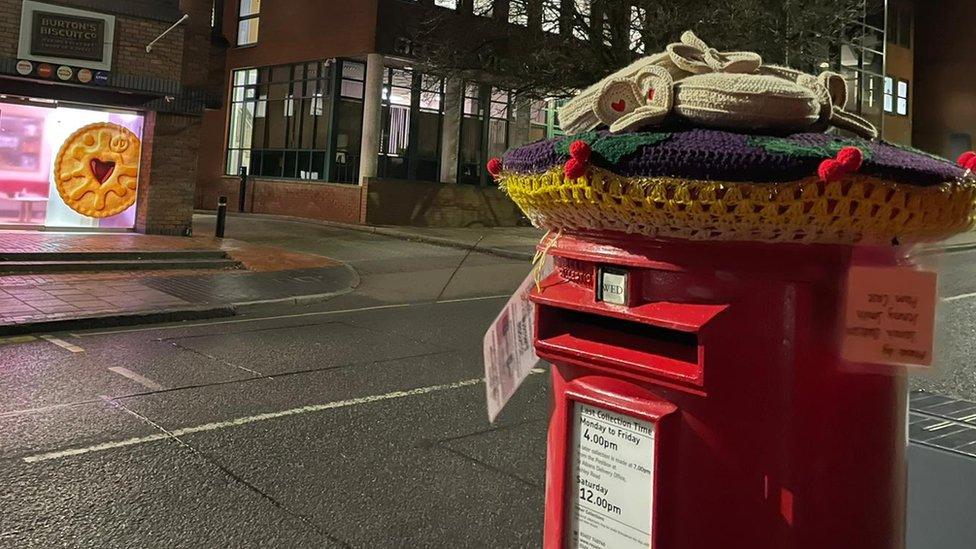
484, 106
413, 128
336, 78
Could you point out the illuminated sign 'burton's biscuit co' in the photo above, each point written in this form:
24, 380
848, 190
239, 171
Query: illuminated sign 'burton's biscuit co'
65, 36
59, 35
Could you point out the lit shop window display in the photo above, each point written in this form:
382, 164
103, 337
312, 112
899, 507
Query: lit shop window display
68, 167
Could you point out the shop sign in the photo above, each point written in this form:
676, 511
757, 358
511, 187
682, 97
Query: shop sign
68, 36
65, 73
84, 76
24, 67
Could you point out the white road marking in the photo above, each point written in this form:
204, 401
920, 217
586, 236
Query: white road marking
296, 315
957, 297
141, 380
62, 343
250, 419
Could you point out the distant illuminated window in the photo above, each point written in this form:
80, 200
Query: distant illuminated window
581, 19
248, 22
902, 104
483, 7
518, 12
550, 15
889, 94
637, 17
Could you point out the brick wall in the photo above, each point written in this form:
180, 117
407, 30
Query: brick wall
167, 174
196, 43
325, 201
165, 61
424, 204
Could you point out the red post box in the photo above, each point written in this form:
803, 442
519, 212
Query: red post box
700, 400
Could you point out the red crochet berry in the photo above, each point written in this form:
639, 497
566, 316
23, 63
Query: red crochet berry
574, 169
851, 158
580, 150
831, 170
495, 166
965, 159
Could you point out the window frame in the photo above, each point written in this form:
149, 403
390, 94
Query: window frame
899, 98
241, 18
888, 95
309, 104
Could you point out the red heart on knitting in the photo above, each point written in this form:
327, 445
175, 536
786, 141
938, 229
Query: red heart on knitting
650, 94
101, 170
619, 106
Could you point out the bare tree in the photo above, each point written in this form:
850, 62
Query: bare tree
553, 47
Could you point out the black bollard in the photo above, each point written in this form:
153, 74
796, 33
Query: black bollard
221, 216
243, 191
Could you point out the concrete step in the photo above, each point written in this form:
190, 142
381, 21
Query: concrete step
128, 255
66, 266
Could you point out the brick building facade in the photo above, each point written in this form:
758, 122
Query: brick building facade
164, 89
307, 117
331, 117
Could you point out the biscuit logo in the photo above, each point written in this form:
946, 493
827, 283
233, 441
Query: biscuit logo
97, 169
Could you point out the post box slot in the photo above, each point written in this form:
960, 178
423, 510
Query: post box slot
633, 345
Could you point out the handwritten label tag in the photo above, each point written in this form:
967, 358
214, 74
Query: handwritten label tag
509, 351
889, 316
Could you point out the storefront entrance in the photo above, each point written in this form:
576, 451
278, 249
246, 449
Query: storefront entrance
66, 166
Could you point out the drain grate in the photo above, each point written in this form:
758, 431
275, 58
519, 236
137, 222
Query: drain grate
942, 422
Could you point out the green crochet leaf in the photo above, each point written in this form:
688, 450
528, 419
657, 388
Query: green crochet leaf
779, 145
611, 148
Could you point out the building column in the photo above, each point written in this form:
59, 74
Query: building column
167, 174
372, 109
518, 126
450, 130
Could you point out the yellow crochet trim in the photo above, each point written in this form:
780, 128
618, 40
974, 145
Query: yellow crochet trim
856, 209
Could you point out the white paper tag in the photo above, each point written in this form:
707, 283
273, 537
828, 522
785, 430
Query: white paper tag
509, 351
613, 480
889, 316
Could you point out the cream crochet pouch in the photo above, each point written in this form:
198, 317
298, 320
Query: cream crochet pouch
746, 101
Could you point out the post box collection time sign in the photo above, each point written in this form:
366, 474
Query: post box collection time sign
613, 480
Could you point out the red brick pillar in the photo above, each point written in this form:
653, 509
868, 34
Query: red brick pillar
167, 174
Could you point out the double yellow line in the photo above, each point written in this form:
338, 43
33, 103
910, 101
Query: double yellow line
13, 340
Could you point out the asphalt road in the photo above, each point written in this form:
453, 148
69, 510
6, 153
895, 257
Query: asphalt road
359, 422
356, 423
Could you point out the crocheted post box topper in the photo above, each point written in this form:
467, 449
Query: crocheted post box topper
699, 144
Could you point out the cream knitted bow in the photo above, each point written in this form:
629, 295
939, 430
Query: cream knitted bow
694, 56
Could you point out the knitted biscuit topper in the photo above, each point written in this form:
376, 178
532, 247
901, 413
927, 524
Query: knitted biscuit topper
696, 84
694, 143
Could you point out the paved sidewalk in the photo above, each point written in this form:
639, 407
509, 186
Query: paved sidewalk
511, 242
50, 300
